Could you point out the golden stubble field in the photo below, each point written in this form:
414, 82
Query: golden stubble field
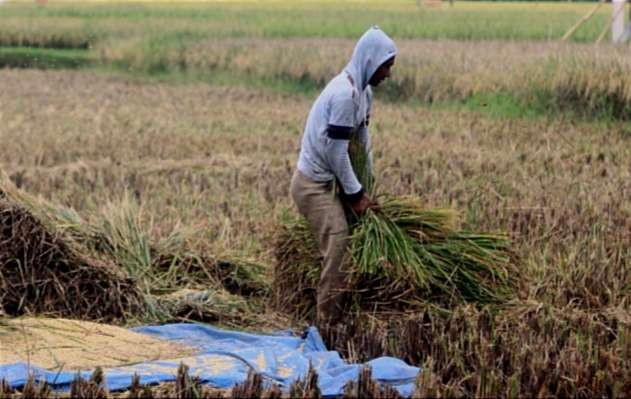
219, 160
214, 163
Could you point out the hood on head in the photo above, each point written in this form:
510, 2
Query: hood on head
373, 49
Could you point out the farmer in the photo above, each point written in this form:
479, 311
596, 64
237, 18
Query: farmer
341, 110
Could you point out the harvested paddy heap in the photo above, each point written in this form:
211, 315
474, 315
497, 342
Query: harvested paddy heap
52, 262
42, 273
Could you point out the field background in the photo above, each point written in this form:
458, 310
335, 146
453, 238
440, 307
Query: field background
283, 45
184, 120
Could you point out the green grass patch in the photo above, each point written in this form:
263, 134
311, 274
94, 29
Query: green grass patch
25, 57
536, 104
219, 77
505, 105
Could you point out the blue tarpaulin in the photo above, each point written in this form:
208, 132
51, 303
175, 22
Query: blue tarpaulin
225, 357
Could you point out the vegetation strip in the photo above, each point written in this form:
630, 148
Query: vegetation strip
515, 80
73, 25
28, 57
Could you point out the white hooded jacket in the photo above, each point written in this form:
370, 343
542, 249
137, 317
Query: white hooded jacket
342, 108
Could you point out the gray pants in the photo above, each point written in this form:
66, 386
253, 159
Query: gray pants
317, 202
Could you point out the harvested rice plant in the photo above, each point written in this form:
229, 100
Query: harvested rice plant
146, 156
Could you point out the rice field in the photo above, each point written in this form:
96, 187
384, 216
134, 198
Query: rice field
169, 145
71, 25
525, 65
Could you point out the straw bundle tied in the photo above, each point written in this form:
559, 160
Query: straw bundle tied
402, 254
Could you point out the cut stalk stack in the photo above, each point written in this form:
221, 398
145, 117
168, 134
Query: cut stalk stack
402, 254
43, 272
49, 254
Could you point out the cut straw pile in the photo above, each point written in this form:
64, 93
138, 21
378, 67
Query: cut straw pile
42, 273
403, 254
108, 268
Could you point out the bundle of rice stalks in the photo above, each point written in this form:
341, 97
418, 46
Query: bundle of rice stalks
404, 244
402, 254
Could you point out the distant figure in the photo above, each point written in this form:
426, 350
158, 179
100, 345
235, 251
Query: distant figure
342, 109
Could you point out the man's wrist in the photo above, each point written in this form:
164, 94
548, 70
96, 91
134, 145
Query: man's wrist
352, 198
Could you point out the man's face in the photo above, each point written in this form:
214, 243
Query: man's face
382, 73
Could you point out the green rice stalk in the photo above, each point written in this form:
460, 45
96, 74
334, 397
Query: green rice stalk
404, 255
404, 241
360, 155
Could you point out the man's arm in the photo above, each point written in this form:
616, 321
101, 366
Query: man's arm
352, 191
340, 162
339, 131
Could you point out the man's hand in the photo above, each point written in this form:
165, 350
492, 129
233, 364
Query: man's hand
364, 203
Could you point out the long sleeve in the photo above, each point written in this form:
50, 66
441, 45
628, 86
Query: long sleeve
340, 127
340, 162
